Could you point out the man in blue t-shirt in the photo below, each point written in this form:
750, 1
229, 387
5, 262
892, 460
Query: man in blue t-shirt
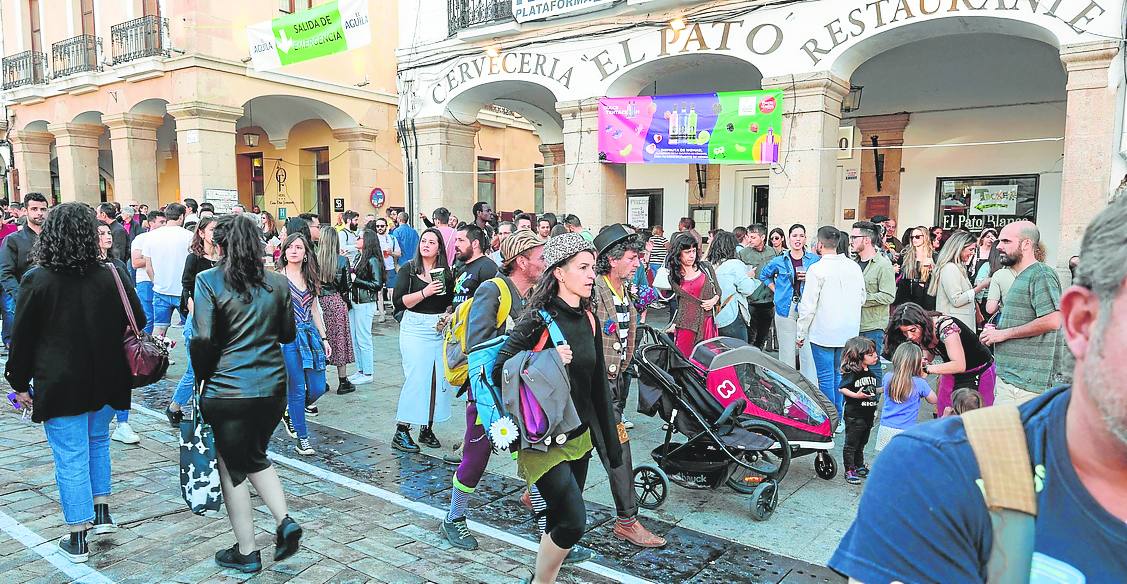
922, 517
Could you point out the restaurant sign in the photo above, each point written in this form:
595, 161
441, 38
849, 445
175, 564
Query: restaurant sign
986, 201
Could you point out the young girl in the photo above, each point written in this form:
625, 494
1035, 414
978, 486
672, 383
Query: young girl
963, 400
905, 386
860, 387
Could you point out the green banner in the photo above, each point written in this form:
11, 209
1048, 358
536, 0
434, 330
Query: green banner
325, 29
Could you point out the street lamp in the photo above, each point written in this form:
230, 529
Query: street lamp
852, 100
250, 139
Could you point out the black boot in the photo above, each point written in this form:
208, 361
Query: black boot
103, 523
403, 441
74, 546
345, 387
428, 439
287, 539
231, 558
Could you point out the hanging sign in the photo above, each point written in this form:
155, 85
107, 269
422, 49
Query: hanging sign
726, 127
326, 29
526, 10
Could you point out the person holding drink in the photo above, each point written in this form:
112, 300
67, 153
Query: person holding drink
423, 295
786, 275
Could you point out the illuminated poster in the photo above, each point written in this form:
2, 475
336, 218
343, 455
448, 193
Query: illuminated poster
725, 127
985, 201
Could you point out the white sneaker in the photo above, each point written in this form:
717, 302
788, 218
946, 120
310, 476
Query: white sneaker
840, 426
627, 424
356, 377
125, 434
362, 380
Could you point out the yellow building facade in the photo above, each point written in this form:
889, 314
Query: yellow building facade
154, 101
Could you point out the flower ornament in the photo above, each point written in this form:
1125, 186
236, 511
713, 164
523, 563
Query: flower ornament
503, 432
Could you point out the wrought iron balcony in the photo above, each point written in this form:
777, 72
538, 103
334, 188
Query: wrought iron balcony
75, 55
466, 13
26, 68
141, 37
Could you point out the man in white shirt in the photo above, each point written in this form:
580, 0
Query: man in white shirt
830, 312
144, 281
164, 251
391, 252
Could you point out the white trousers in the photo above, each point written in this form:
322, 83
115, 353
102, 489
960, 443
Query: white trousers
787, 331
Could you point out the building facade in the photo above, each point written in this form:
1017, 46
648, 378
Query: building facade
154, 101
924, 110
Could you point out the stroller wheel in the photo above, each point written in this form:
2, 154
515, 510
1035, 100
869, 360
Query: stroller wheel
764, 500
771, 464
825, 466
651, 486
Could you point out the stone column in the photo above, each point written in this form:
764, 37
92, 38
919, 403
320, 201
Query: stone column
133, 142
889, 132
363, 166
205, 143
76, 146
445, 146
1089, 141
33, 161
593, 190
803, 191
553, 175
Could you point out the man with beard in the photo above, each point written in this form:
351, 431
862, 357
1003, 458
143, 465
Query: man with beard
522, 264
1027, 344
620, 253
470, 243
15, 257
348, 236
922, 515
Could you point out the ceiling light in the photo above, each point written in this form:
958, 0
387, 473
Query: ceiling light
493, 51
677, 23
250, 139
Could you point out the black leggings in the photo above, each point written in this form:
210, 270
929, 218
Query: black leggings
562, 489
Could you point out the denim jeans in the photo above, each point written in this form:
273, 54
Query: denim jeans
183, 391
80, 446
360, 325
877, 337
303, 386
145, 295
736, 330
122, 416
9, 307
163, 307
827, 361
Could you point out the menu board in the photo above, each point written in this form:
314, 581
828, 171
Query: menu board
977, 202
710, 128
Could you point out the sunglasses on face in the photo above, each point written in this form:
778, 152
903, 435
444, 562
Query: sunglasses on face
917, 237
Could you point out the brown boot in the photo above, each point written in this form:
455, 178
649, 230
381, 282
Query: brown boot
638, 535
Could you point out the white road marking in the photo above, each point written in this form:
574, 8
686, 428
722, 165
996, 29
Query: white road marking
423, 508
49, 550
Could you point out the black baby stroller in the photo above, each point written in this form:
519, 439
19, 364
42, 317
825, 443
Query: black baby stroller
721, 446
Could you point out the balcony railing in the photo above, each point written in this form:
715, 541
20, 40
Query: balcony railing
26, 68
466, 13
141, 37
75, 55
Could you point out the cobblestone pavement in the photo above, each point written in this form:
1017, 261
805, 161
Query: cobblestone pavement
372, 513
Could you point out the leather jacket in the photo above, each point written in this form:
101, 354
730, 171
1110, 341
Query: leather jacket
15, 259
365, 290
237, 344
341, 284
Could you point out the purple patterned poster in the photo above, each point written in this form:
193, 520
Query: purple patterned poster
725, 127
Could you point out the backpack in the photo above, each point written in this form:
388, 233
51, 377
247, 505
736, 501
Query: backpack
455, 363
997, 438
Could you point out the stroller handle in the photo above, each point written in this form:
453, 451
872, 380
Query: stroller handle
733, 408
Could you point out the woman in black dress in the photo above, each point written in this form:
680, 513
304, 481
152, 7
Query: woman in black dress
242, 316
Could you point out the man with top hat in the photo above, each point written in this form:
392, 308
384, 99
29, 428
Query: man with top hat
619, 253
521, 266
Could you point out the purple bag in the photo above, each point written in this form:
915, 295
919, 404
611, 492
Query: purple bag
533, 416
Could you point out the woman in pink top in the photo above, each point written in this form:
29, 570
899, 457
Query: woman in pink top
694, 282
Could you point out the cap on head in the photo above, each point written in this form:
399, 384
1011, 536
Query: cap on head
563, 247
518, 243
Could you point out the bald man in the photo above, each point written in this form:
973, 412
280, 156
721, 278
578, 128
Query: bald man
1027, 342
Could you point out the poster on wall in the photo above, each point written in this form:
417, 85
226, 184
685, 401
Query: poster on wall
978, 202
638, 211
326, 29
711, 128
223, 199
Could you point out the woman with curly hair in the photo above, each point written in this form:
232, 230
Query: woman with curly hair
202, 255
73, 398
241, 319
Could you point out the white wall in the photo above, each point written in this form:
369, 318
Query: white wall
923, 166
673, 178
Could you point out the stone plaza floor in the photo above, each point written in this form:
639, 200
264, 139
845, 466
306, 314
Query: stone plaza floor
372, 513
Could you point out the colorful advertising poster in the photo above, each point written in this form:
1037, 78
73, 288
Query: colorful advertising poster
710, 128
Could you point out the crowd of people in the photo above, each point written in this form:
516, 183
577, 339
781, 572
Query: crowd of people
266, 309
